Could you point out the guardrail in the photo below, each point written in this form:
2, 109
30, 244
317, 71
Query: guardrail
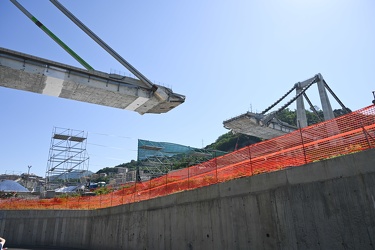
347, 134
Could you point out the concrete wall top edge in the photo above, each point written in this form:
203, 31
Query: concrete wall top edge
312, 172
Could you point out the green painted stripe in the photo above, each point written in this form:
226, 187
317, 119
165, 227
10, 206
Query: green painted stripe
62, 44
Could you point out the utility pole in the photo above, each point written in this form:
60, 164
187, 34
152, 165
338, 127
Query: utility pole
28, 176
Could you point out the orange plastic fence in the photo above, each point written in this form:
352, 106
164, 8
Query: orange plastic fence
344, 135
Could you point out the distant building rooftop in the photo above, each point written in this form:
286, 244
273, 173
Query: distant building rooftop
12, 186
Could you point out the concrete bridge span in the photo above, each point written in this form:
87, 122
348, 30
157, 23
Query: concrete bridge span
323, 205
34, 74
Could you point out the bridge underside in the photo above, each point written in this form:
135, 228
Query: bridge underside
29, 73
249, 124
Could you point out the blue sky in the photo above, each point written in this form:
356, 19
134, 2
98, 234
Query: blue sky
226, 57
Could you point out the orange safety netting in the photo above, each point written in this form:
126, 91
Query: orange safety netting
344, 135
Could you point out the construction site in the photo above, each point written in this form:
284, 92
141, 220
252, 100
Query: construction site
303, 186
316, 178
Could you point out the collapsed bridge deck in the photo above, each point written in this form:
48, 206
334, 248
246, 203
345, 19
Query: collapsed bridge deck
29, 73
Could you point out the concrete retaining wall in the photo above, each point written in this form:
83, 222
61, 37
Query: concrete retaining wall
323, 205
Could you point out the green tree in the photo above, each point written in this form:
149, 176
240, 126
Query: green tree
290, 116
229, 142
107, 170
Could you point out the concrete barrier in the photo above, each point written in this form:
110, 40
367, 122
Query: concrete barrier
323, 205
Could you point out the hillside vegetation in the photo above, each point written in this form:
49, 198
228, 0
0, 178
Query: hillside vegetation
229, 142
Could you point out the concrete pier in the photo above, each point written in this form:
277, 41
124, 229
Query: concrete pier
323, 205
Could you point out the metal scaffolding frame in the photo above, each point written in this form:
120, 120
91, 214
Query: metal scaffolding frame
68, 159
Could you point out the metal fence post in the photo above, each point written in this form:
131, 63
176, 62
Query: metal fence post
303, 145
135, 190
149, 189
367, 134
251, 163
122, 196
217, 180
111, 198
189, 177
166, 183
100, 201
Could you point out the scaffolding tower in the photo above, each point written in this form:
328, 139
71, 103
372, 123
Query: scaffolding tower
68, 160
